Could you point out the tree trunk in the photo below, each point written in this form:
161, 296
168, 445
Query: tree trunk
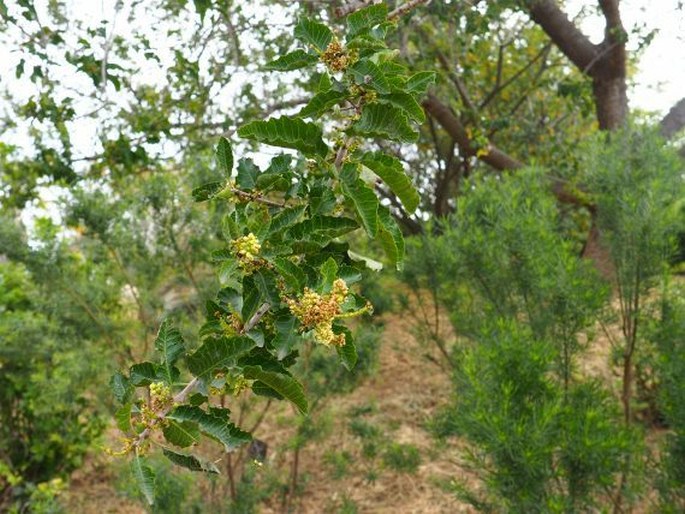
611, 102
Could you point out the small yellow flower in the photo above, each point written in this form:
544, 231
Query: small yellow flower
336, 57
247, 249
318, 312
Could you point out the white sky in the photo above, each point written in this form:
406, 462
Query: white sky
659, 81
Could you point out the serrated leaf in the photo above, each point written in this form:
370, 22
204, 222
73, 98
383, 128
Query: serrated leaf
217, 353
324, 83
181, 434
292, 61
330, 226
365, 42
329, 272
390, 237
207, 191
286, 218
348, 351
287, 132
285, 385
420, 82
366, 18
144, 373
211, 424
286, 335
224, 156
121, 387
407, 103
261, 389
145, 478
321, 200
385, 121
390, 170
252, 299
247, 174
363, 197
123, 417
313, 33
349, 274
291, 273
190, 462
322, 102
169, 343
228, 274
367, 73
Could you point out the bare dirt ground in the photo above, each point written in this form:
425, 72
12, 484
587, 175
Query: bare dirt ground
401, 397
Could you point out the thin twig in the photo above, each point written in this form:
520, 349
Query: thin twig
185, 392
405, 8
108, 47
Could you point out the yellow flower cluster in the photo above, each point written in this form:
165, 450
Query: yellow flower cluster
247, 249
336, 58
317, 312
160, 396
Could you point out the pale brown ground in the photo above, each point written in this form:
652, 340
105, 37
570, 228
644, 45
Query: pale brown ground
405, 392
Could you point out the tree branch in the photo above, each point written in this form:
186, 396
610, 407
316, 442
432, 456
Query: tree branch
453, 126
352, 6
182, 395
674, 121
571, 41
495, 157
405, 8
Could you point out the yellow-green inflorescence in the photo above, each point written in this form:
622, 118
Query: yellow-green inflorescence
247, 250
317, 312
336, 57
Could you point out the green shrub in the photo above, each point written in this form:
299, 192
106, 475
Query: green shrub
402, 457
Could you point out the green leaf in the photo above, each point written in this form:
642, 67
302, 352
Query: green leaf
211, 424
201, 7
169, 344
217, 353
182, 434
390, 237
252, 299
348, 351
390, 170
247, 174
207, 191
366, 42
190, 462
313, 33
292, 61
121, 387
287, 132
224, 156
329, 272
331, 226
362, 196
407, 103
286, 335
123, 417
366, 18
144, 477
419, 82
384, 121
286, 218
291, 273
367, 73
144, 373
321, 102
284, 385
